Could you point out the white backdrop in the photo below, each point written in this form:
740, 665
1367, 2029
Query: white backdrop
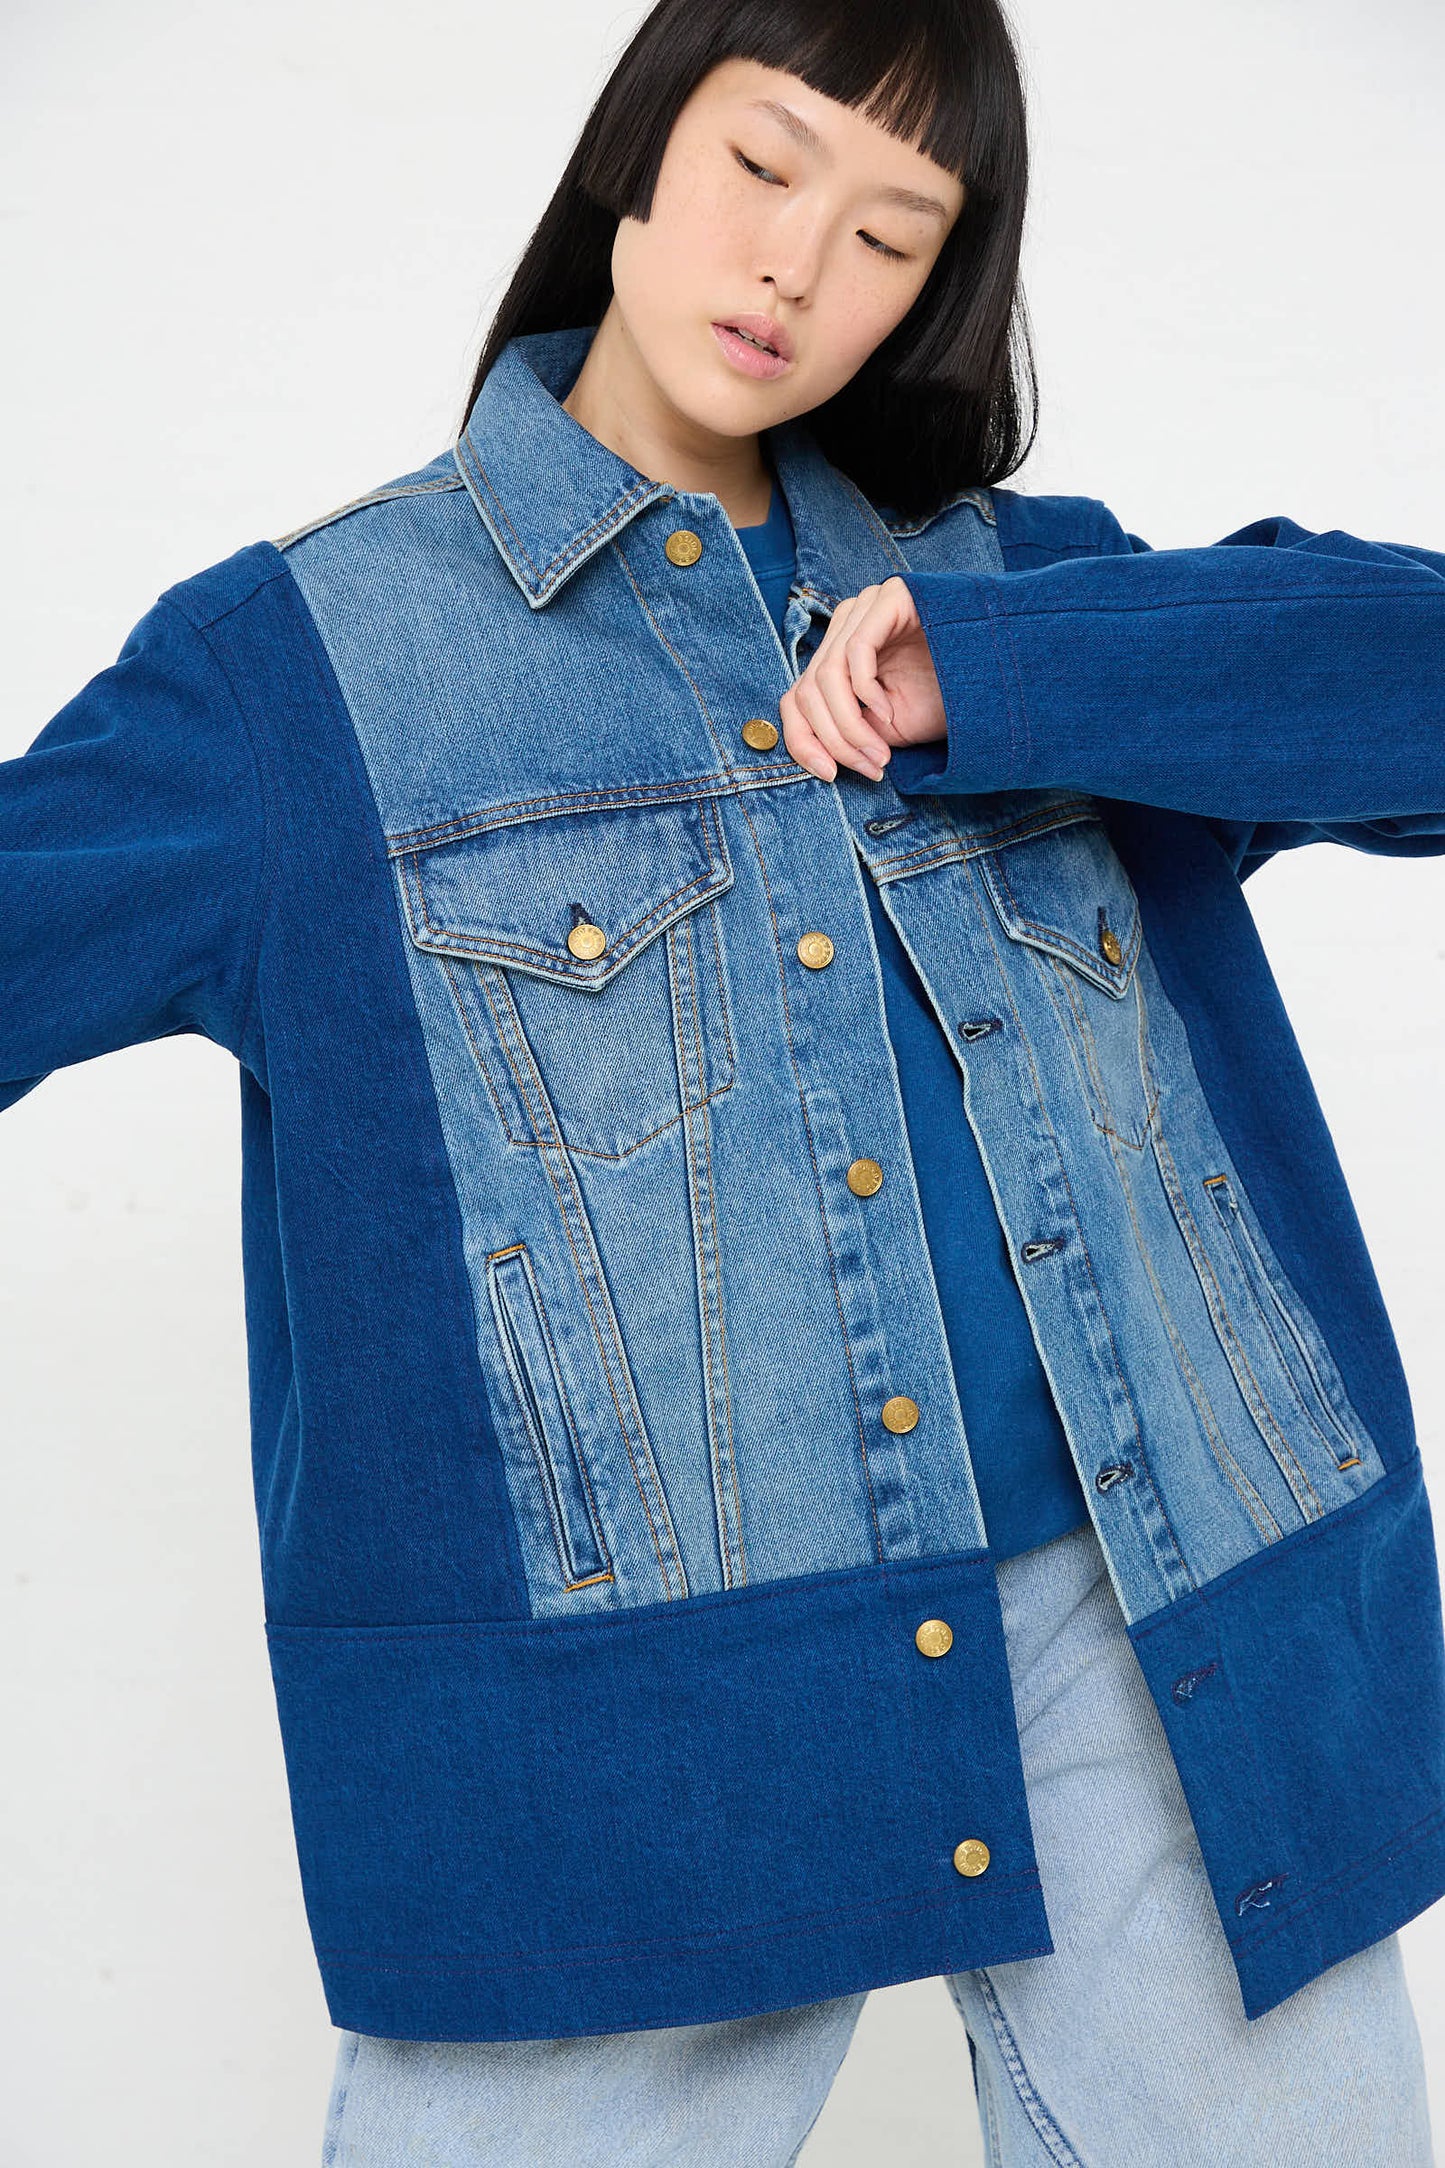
248, 254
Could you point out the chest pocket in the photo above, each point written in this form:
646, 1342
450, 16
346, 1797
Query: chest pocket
1064, 897
584, 951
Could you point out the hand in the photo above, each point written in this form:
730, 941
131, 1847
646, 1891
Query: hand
871, 685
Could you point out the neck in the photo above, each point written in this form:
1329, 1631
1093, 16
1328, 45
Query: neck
618, 400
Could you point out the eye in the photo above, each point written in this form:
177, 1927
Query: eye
880, 248
759, 173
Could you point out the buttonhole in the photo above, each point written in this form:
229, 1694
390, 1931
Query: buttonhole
1185, 1684
1118, 1471
1033, 1250
886, 825
581, 916
1256, 1897
978, 1027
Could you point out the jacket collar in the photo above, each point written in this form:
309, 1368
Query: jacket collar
551, 495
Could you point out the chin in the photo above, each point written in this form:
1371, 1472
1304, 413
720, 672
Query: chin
732, 408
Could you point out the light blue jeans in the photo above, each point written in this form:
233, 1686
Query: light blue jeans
1127, 2047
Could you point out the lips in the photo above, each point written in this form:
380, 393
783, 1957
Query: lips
755, 346
764, 332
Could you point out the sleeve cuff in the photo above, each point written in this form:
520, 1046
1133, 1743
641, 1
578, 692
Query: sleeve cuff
982, 750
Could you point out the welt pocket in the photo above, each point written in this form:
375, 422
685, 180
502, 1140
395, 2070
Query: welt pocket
1299, 1360
553, 1460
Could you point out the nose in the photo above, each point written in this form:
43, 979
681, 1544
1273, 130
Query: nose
791, 254
789, 285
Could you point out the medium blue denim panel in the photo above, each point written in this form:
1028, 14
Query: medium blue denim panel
633, 1379
674, 1431
378, 1483
1263, 1100
1027, 1482
1028, 1486
723, 1716
1288, 1689
1174, 1360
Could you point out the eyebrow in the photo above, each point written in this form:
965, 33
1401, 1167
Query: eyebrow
907, 199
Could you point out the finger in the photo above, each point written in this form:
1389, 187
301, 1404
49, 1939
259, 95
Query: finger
818, 737
836, 629
834, 681
860, 659
814, 707
844, 617
800, 740
890, 611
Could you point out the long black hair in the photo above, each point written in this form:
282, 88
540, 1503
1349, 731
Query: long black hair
949, 400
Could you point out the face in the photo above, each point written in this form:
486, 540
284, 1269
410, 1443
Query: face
788, 236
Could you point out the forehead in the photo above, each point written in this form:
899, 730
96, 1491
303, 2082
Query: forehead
840, 134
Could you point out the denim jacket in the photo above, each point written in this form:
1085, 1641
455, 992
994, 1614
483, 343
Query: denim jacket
635, 1636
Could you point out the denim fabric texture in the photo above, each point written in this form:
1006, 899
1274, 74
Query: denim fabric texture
1127, 2047
1028, 1486
609, 1459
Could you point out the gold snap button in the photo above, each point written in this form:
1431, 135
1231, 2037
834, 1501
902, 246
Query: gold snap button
971, 1857
586, 941
1110, 944
761, 735
815, 950
683, 547
900, 1413
934, 1637
865, 1178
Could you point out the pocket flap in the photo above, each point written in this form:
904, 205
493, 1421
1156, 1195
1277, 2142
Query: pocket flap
1065, 891
514, 893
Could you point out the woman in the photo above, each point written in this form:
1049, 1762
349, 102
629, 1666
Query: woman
821, 1412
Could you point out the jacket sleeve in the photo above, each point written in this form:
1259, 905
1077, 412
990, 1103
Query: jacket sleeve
1283, 684
131, 841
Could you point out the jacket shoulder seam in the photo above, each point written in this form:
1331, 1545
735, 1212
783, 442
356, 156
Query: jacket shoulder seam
980, 497
387, 494
177, 598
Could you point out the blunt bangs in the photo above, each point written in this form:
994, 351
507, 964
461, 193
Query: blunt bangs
949, 400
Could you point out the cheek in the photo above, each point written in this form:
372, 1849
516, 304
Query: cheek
856, 317
696, 228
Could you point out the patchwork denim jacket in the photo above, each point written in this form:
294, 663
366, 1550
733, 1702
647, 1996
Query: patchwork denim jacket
612, 1490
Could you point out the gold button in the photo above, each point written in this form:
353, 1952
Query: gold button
1110, 944
761, 735
815, 950
585, 940
865, 1178
934, 1637
971, 1857
900, 1413
683, 547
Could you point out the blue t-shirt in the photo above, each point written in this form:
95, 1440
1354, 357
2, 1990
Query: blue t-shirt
1028, 1487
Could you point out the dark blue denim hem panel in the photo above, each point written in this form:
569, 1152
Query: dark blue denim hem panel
1285, 1688
822, 1768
